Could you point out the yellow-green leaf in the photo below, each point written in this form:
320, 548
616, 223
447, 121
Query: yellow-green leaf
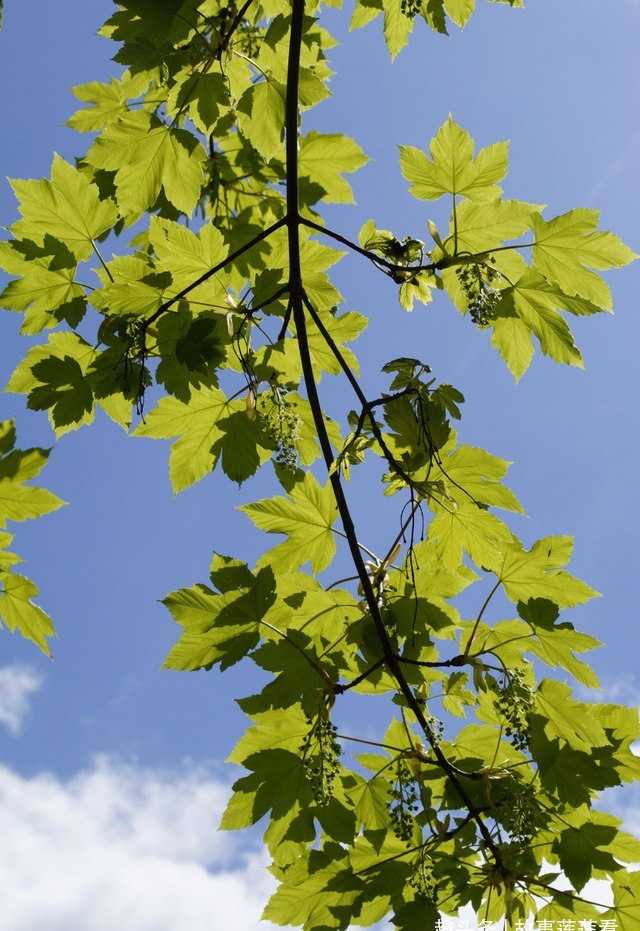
452, 169
568, 247
68, 208
148, 156
306, 517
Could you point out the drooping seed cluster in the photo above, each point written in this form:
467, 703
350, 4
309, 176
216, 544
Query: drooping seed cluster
320, 753
477, 280
282, 425
514, 706
403, 802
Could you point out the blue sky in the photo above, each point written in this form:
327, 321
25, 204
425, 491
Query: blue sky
103, 747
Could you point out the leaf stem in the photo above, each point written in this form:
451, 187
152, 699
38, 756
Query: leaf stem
364, 549
102, 262
479, 618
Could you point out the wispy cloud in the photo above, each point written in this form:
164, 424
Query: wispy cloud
619, 164
17, 684
118, 846
621, 690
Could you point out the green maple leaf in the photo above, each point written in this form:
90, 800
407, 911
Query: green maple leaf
424, 576
130, 298
342, 329
132, 287
17, 500
419, 288
473, 474
204, 95
19, 612
460, 11
481, 744
7, 558
158, 19
481, 227
571, 775
315, 890
568, 247
531, 306
534, 306
564, 905
397, 27
469, 528
295, 679
364, 12
584, 846
371, 800
536, 574
229, 574
209, 426
284, 729
626, 902
456, 695
187, 256
261, 117
324, 158
304, 605
306, 517
63, 390
408, 431
556, 644
57, 377
47, 289
68, 208
315, 259
108, 102
277, 784
452, 169
623, 727
218, 628
148, 157
570, 720
191, 350
512, 338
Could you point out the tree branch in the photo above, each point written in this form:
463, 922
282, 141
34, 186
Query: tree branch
298, 301
212, 271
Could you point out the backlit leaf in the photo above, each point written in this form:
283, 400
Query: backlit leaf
452, 168
148, 156
68, 207
568, 248
306, 518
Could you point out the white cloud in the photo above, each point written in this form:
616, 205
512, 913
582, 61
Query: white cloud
122, 847
17, 684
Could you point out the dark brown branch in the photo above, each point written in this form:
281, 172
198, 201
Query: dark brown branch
375, 429
212, 271
392, 267
224, 42
341, 689
297, 305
